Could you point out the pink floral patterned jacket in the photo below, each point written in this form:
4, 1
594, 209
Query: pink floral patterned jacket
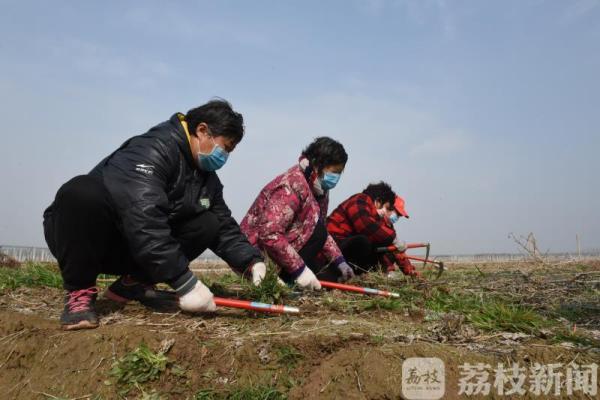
282, 219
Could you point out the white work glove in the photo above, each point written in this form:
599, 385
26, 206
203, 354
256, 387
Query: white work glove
199, 299
400, 244
308, 280
259, 271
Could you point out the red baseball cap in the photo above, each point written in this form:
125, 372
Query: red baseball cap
399, 206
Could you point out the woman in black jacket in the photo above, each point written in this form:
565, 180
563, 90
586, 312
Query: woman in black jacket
145, 212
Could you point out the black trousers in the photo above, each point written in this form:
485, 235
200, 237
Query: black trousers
311, 249
82, 232
360, 253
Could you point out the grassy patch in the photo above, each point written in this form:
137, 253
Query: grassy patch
382, 303
351, 302
496, 316
377, 339
408, 294
487, 312
269, 290
446, 301
206, 394
356, 304
138, 366
30, 275
38, 274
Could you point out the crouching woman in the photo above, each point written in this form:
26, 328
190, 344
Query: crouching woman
287, 219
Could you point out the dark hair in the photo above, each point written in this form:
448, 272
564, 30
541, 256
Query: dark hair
220, 118
324, 151
381, 191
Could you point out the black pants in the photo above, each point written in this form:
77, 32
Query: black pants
310, 251
360, 253
82, 232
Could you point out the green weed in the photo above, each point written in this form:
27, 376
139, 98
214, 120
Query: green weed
487, 312
30, 275
138, 366
377, 339
269, 290
382, 303
206, 394
36, 275
495, 316
442, 301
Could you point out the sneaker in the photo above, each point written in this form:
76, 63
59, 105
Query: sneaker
126, 289
80, 311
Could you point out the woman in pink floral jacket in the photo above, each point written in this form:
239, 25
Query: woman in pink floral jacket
287, 219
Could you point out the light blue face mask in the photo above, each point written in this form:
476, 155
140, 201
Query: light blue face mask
329, 180
214, 160
394, 218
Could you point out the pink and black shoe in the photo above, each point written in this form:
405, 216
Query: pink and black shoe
80, 309
126, 289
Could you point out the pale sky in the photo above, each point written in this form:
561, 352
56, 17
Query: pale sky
483, 115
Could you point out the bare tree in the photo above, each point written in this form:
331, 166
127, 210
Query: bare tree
529, 245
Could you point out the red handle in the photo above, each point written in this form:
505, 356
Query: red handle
357, 289
255, 306
423, 259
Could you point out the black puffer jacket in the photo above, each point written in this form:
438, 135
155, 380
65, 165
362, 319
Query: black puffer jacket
154, 182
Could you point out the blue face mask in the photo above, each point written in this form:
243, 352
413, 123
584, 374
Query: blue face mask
213, 161
394, 218
329, 180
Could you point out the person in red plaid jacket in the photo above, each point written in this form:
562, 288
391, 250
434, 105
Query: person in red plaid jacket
363, 223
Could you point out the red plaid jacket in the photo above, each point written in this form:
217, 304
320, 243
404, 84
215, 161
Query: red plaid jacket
358, 216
